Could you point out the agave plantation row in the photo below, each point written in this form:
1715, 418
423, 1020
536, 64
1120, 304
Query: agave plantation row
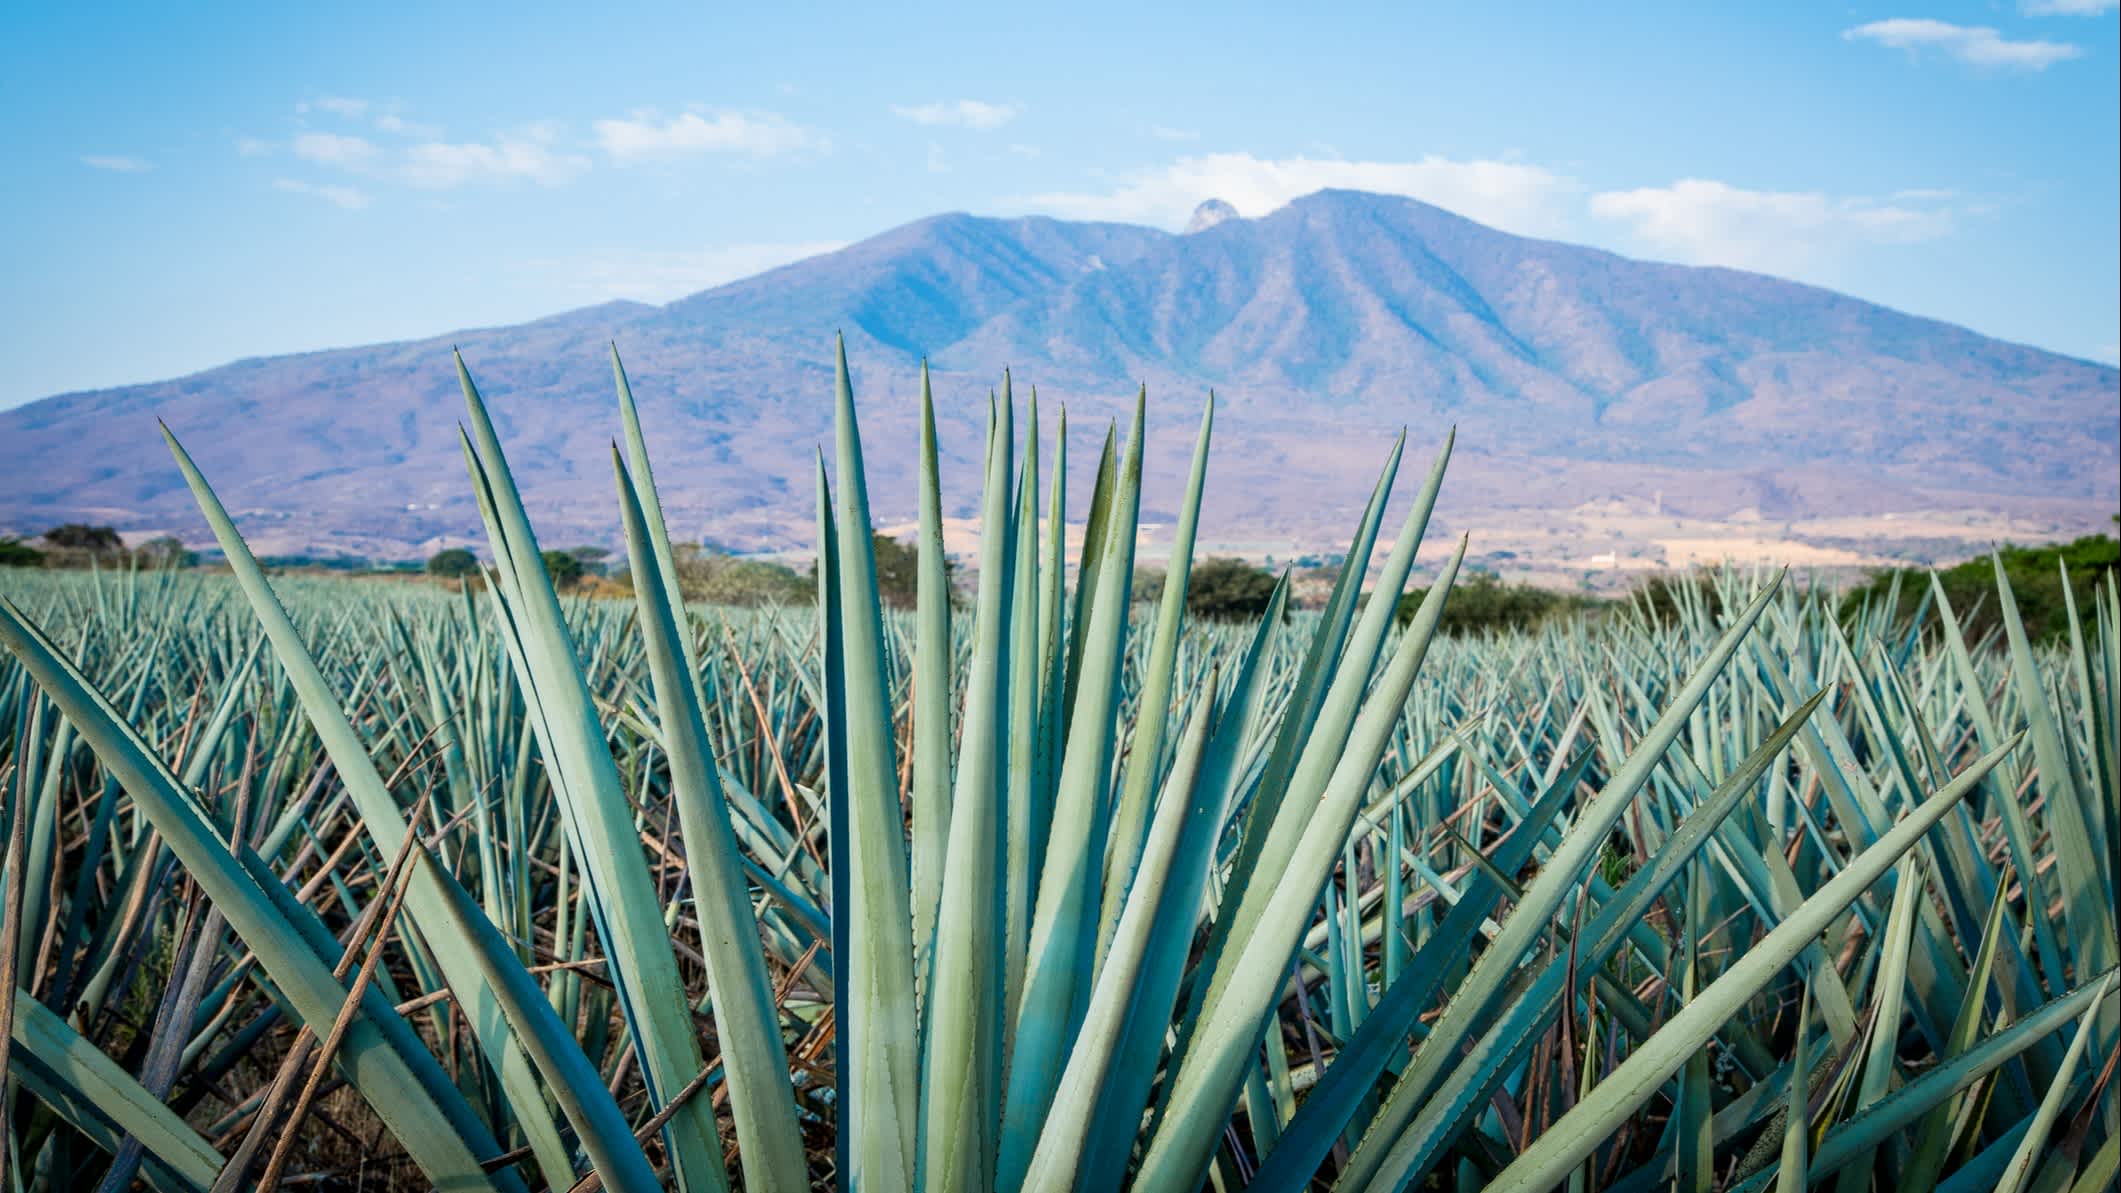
313, 880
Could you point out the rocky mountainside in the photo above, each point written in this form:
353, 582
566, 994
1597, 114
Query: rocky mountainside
1573, 375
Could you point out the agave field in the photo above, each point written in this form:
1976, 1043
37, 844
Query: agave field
325, 884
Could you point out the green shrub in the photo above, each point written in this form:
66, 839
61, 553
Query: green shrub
15, 553
1228, 590
898, 569
166, 551
453, 564
1482, 603
565, 568
716, 578
2035, 575
1664, 595
80, 536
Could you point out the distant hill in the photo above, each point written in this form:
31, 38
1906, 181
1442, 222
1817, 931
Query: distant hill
1574, 376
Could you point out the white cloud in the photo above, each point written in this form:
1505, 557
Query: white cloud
2069, 8
333, 149
339, 196
1975, 45
1164, 132
441, 165
528, 155
252, 147
116, 163
1704, 222
645, 135
964, 113
396, 125
662, 277
1512, 195
339, 105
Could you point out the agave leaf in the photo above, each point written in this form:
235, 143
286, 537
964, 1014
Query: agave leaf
1208, 1075
1576, 1133
1056, 1163
746, 1017
832, 653
1695, 1166
2087, 895
380, 1054
102, 1100
1331, 1107
623, 903
575, 1083
1542, 899
2020, 1169
1473, 1079
1893, 1113
961, 1069
1794, 1174
386, 826
1027, 677
1125, 1089
1934, 1140
873, 919
932, 691
1064, 919
1145, 754
2100, 1170
2017, 833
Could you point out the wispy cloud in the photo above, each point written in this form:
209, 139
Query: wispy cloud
645, 135
397, 125
1164, 132
116, 163
335, 149
1705, 222
528, 155
338, 105
338, 196
963, 113
1975, 45
1516, 196
385, 116
664, 276
2068, 8
253, 147
441, 165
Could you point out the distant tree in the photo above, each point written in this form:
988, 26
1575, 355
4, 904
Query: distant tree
166, 551
14, 553
1228, 590
1481, 602
80, 536
1148, 585
1665, 596
452, 564
565, 568
592, 559
2035, 575
716, 577
757, 582
898, 569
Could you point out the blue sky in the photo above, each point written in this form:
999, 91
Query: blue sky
187, 185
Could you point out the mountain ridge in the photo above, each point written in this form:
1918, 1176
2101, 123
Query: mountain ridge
1575, 374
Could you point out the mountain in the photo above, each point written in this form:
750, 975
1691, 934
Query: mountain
1573, 375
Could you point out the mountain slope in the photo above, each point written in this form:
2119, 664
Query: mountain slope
1573, 374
